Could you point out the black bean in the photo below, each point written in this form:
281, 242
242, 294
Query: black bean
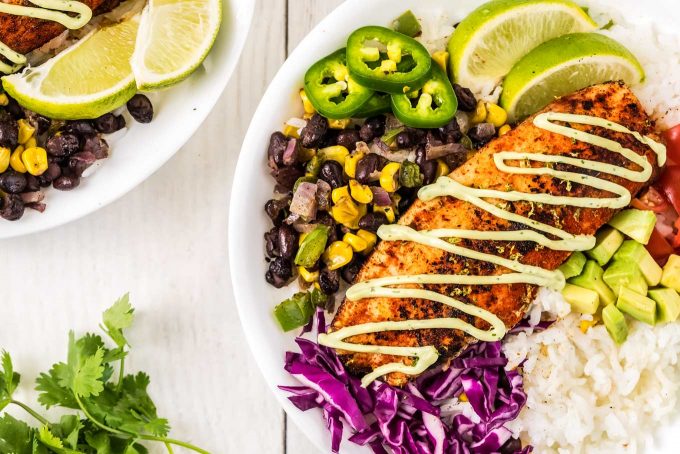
277, 145
373, 127
427, 168
140, 108
466, 100
66, 182
329, 281
11, 207
331, 173
80, 162
286, 177
271, 242
329, 139
313, 132
348, 139
32, 183
482, 134
109, 123
455, 160
280, 272
80, 128
52, 173
372, 221
276, 210
288, 242
13, 182
324, 218
404, 140
97, 146
407, 197
350, 271
9, 134
14, 109
62, 144
450, 133
368, 168
39, 122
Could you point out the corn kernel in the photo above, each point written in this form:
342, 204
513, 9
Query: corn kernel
388, 66
351, 164
307, 116
463, 397
306, 154
5, 154
337, 255
336, 153
496, 115
441, 57
388, 177
31, 143
359, 192
35, 160
4, 100
442, 168
346, 212
387, 211
15, 160
503, 130
369, 237
291, 131
26, 131
340, 193
394, 52
339, 124
480, 113
370, 54
306, 103
308, 276
358, 244
585, 325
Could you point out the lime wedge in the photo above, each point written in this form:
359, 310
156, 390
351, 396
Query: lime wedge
495, 36
174, 38
87, 80
562, 66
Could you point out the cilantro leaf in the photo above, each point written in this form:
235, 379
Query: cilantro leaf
9, 380
68, 430
117, 318
52, 393
15, 436
87, 378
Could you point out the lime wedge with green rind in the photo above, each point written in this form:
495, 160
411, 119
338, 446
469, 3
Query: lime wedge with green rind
175, 36
565, 65
87, 80
495, 36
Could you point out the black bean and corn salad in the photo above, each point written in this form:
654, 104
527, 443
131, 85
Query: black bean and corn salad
37, 152
339, 180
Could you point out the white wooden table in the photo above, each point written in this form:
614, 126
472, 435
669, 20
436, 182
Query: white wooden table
166, 243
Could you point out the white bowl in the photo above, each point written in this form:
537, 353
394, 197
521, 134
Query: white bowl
253, 185
179, 112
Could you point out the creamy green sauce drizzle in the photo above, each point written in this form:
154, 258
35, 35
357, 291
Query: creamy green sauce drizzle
52, 10
521, 273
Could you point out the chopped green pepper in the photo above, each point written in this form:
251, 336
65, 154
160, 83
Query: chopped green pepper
407, 24
312, 247
313, 166
295, 311
399, 64
409, 175
434, 107
332, 90
378, 104
318, 298
391, 136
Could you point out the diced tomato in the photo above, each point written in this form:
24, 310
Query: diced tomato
669, 184
672, 137
651, 200
659, 247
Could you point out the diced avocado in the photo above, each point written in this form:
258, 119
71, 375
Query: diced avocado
637, 224
591, 278
671, 273
582, 300
573, 266
608, 242
625, 273
667, 304
637, 306
615, 323
637, 253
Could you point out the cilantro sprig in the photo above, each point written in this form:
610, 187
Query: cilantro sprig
112, 412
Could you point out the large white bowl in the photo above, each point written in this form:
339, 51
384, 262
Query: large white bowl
144, 149
253, 185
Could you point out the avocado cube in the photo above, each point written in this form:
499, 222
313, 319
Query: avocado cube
582, 300
671, 273
608, 241
574, 266
637, 253
667, 304
625, 273
637, 306
591, 278
637, 224
615, 323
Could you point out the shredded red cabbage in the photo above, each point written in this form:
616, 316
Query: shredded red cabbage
411, 420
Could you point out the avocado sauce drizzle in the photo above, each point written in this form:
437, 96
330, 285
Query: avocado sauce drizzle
521, 273
52, 10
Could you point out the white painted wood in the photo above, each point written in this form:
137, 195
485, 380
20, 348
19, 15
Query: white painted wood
303, 15
165, 242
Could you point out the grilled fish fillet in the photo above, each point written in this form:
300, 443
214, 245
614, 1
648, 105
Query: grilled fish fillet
25, 34
613, 101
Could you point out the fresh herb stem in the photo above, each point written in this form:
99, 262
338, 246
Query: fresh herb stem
169, 446
121, 374
30, 411
94, 421
174, 442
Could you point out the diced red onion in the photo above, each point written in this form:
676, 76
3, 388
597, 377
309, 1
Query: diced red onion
290, 153
439, 151
33, 197
323, 194
381, 197
304, 201
382, 149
